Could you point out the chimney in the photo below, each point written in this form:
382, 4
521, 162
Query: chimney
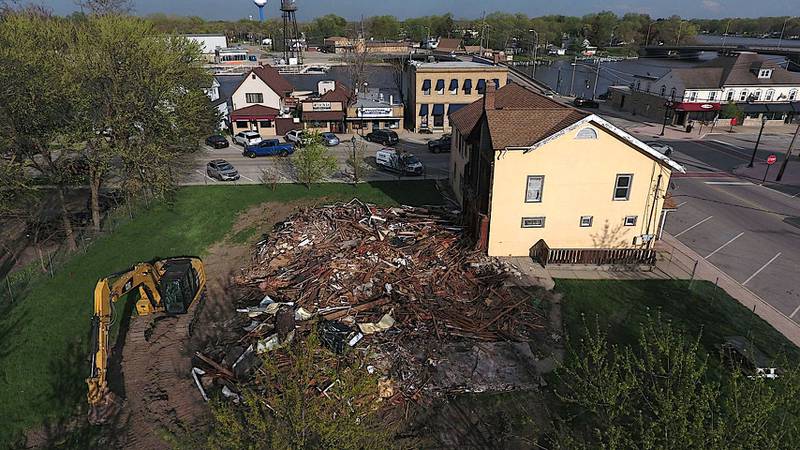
488, 97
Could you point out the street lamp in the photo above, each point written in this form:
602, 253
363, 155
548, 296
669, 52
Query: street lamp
680, 28
535, 45
667, 106
758, 141
780, 39
647, 40
725, 34
355, 163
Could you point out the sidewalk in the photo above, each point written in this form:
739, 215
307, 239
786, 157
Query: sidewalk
686, 257
791, 177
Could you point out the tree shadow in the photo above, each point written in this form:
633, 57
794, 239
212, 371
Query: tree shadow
410, 192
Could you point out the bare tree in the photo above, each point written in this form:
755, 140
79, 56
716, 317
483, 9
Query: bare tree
356, 60
102, 7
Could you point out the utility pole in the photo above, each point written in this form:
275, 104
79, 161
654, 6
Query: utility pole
596, 79
788, 154
572, 83
780, 39
483, 30
758, 140
535, 44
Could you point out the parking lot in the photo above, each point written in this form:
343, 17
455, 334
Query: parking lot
251, 169
749, 231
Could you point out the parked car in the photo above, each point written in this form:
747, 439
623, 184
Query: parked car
403, 163
440, 145
217, 141
383, 136
298, 137
581, 102
660, 147
245, 138
222, 170
329, 139
268, 147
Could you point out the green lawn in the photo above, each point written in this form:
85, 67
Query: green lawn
43, 337
622, 306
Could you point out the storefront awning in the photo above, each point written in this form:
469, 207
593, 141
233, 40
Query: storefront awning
423, 110
467, 85
255, 112
793, 107
481, 85
439, 85
426, 85
324, 116
454, 85
696, 107
453, 107
438, 109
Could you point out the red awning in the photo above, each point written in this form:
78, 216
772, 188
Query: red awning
255, 112
697, 107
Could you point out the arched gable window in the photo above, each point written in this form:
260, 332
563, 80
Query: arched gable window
586, 133
663, 90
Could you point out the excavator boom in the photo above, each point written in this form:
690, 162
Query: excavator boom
166, 286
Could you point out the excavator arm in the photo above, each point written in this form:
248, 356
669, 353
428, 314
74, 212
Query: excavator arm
169, 286
107, 293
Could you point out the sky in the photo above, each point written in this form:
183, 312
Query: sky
465, 9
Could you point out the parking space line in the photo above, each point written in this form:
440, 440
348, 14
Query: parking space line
247, 178
762, 268
727, 143
729, 183
692, 227
206, 175
725, 245
681, 204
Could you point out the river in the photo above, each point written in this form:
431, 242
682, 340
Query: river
559, 75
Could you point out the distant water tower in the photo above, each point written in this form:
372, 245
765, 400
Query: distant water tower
261, 4
292, 45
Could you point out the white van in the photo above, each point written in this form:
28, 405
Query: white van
404, 163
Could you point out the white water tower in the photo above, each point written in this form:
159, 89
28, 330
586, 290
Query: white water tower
260, 4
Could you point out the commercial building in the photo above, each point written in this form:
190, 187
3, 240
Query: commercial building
326, 109
535, 177
433, 90
262, 96
759, 86
209, 43
373, 109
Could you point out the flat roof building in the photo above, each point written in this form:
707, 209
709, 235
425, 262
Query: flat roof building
433, 90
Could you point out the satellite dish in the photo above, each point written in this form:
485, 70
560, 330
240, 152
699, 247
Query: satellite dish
260, 3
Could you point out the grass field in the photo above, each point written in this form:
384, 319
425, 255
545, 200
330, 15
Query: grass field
620, 307
44, 335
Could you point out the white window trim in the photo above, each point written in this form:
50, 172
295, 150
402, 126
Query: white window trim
588, 225
628, 188
541, 188
541, 220
633, 218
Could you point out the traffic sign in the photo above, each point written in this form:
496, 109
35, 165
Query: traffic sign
771, 159
734, 121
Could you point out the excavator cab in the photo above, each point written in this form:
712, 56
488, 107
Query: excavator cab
178, 286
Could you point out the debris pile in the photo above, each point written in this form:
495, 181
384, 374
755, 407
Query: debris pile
399, 284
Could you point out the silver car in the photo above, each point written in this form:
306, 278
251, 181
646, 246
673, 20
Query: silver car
660, 147
245, 138
222, 170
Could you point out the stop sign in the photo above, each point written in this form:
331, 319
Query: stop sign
771, 159
734, 121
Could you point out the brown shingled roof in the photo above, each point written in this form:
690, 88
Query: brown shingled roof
273, 78
449, 45
340, 93
739, 70
520, 117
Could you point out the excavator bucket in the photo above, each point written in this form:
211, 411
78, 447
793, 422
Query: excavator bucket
105, 411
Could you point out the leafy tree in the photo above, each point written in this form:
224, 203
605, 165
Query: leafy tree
731, 110
306, 404
661, 394
326, 26
36, 108
313, 163
383, 27
106, 6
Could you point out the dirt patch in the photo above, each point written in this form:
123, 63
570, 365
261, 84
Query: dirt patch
161, 395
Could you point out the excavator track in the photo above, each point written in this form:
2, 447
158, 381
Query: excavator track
160, 397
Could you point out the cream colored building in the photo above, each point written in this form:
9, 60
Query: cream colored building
259, 100
529, 170
432, 91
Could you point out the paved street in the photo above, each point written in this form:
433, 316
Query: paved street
749, 231
436, 165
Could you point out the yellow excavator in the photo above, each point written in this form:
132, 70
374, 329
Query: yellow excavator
167, 286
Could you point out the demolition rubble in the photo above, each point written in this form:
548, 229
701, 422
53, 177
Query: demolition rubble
399, 285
